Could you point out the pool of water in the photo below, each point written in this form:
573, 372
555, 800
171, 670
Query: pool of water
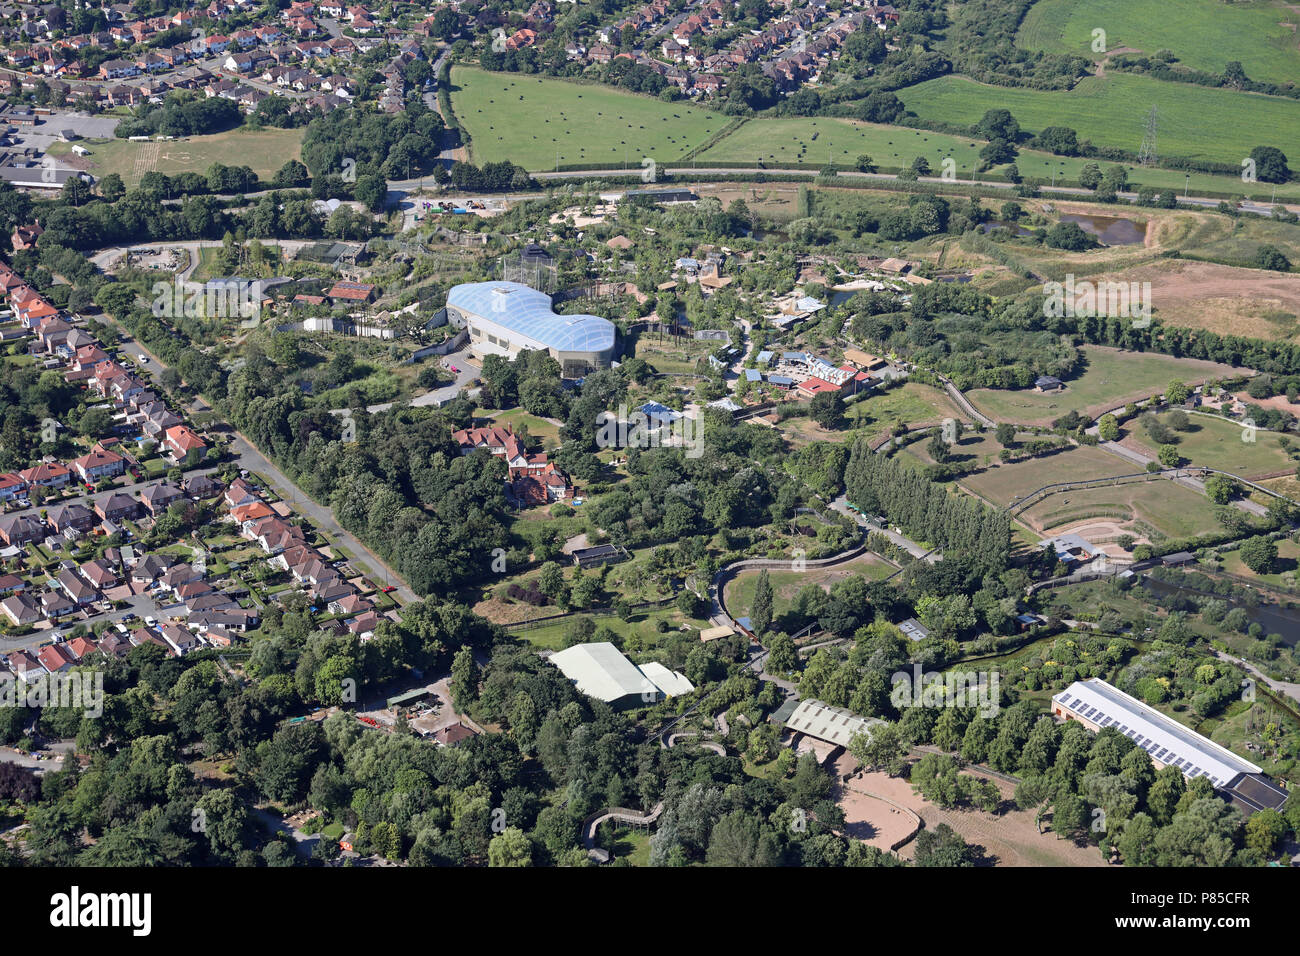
1110, 230
1273, 618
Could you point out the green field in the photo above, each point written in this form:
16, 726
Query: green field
263, 150
787, 141
739, 591
1204, 35
539, 122
1112, 111
1005, 483
1111, 378
911, 402
1218, 443
1172, 510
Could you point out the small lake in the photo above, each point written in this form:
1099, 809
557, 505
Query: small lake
1273, 618
1110, 230
1015, 228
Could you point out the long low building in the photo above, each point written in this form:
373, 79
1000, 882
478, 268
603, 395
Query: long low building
601, 670
505, 318
832, 725
1096, 704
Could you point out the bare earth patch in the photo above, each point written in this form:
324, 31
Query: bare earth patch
1223, 299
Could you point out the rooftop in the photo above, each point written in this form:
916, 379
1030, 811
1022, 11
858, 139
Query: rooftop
527, 312
1164, 738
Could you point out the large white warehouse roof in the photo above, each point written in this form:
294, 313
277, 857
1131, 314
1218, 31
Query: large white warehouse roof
600, 670
1163, 738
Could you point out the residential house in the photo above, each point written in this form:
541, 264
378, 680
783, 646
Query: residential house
55, 658
99, 464
21, 609
184, 445
118, 507
77, 590
100, 574
48, 474
25, 667
17, 530
158, 497
75, 517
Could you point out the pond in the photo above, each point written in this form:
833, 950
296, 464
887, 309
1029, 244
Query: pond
1015, 228
1109, 230
1273, 618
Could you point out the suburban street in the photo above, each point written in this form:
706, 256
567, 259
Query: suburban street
252, 460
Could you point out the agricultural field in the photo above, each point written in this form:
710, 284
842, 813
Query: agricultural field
539, 122
840, 141
1112, 378
1218, 443
787, 141
1204, 35
739, 591
264, 151
1112, 111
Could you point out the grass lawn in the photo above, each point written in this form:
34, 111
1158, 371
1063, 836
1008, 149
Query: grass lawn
264, 151
669, 355
1218, 443
1142, 509
1288, 559
537, 122
632, 845
537, 427
739, 592
972, 447
910, 402
1204, 35
1005, 482
1110, 378
642, 630
1112, 111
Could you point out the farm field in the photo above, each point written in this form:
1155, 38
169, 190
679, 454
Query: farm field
264, 151
1217, 443
1112, 378
1204, 35
840, 141
537, 122
1112, 111
739, 591
823, 140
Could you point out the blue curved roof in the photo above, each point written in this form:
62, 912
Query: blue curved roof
526, 311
